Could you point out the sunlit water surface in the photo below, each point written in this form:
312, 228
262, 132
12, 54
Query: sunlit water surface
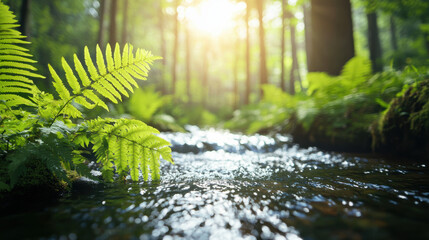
232, 186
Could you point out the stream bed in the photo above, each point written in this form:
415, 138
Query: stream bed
233, 186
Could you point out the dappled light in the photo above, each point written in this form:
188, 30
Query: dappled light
214, 119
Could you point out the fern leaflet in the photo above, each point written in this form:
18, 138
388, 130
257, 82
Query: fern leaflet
15, 70
129, 145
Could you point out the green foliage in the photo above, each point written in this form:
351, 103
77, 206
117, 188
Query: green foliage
44, 133
128, 145
146, 102
404, 125
111, 83
150, 106
273, 111
15, 64
334, 109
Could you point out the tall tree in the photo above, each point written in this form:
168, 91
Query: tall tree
175, 47
374, 42
248, 79
112, 25
262, 52
101, 23
124, 37
163, 44
294, 71
235, 71
25, 18
332, 41
205, 71
188, 62
307, 31
393, 36
283, 46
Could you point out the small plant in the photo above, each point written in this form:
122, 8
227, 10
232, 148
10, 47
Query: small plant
38, 126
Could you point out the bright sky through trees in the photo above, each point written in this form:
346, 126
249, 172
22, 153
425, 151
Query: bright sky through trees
213, 16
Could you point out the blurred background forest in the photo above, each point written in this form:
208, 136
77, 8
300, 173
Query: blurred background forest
249, 64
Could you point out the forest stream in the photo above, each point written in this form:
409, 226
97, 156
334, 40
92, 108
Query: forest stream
233, 186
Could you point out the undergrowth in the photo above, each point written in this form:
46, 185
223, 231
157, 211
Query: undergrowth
335, 110
50, 129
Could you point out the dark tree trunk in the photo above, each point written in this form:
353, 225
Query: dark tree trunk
294, 60
263, 63
393, 37
248, 84
112, 25
25, 18
332, 41
124, 37
374, 42
101, 23
283, 47
188, 63
426, 36
175, 49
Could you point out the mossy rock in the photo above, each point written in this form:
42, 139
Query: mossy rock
404, 127
38, 186
321, 133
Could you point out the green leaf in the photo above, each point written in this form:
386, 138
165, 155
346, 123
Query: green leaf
71, 78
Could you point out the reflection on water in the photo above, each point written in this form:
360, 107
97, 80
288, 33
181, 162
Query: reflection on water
231, 186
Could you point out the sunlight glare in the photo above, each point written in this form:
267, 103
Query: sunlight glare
213, 16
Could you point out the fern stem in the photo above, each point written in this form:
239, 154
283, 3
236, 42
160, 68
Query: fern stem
130, 140
89, 87
61, 109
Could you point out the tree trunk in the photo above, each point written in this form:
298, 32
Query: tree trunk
374, 42
294, 72
188, 63
332, 41
235, 71
426, 39
25, 18
283, 47
163, 46
112, 27
263, 63
393, 37
307, 33
204, 82
101, 23
124, 37
175, 48
248, 84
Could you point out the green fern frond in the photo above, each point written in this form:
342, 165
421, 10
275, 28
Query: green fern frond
127, 145
111, 77
356, 71
15, 64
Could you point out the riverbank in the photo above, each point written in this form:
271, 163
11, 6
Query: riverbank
402, 129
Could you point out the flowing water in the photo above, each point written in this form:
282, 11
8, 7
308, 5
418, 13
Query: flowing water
232, 186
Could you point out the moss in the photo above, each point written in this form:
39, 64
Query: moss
352, 136
37, 186
404, 127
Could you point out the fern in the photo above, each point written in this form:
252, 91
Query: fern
16, 70
111, 82
126, 144
121, 145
